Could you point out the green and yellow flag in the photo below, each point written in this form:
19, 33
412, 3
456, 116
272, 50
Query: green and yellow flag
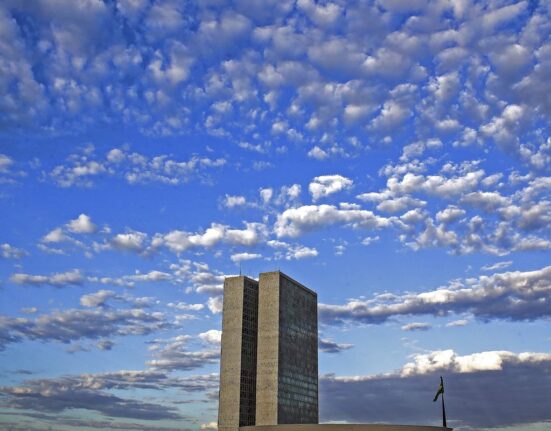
440, 389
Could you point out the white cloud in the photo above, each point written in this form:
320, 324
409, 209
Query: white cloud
329, 346
82, 224
212, 336
418, 148
266, 195
179, 241
186, 307
294, 222
484, 361
240, 257
450, 214
55, 236
317, 153
416, 326
8, 251
370, 240
82, 169
97, 299
69, 278
510, 295
456, 323
291, 251
301, 252
131, 241
326, 185
497, 266
407, 389
234, 201
215, 304
5, 163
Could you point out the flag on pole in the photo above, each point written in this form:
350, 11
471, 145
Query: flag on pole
440, 389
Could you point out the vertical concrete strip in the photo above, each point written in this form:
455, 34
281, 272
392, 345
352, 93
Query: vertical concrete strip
230, 360
268, 349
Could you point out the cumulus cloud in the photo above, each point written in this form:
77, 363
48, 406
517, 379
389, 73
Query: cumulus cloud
329, 346
85, 168
234, 201
404, 395
335, 75
326, 185
455, 323
130, 241
288, 251
294, 222
497, 266
71, 325
199, 275
8, 251
318, 153
92, 392
179, 241
82, 224
212, 336
97, 299
172, 354
416, 326
62, 279
186, 307
510, 295
57, 396
240, 257
215, 304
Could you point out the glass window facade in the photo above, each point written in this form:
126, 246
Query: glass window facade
247, 405
298, 354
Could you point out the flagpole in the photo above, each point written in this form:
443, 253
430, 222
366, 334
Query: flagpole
443, 412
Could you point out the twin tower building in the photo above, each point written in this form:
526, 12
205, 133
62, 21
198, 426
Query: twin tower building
269, 362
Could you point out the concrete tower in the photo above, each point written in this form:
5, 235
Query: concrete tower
238, 359
287, 353
269, 363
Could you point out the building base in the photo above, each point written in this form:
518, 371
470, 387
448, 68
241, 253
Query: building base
342, 427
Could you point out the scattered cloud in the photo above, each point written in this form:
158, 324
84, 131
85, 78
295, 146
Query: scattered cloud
416, 326
172, 354
71, 325
178, 241
294, 222
479, 382
69, 278
288, 251
455, 323
85, 168
82, 224
240, 257
8, 251
510, 295
212, 336
497, 266
234, 201
91, 392
329, 346
326, 185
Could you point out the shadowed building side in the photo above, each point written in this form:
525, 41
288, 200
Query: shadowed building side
237, 404
287, 370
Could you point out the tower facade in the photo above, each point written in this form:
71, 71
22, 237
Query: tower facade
237, 401
287, 353
269, 362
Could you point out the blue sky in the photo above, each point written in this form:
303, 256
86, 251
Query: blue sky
393, 156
